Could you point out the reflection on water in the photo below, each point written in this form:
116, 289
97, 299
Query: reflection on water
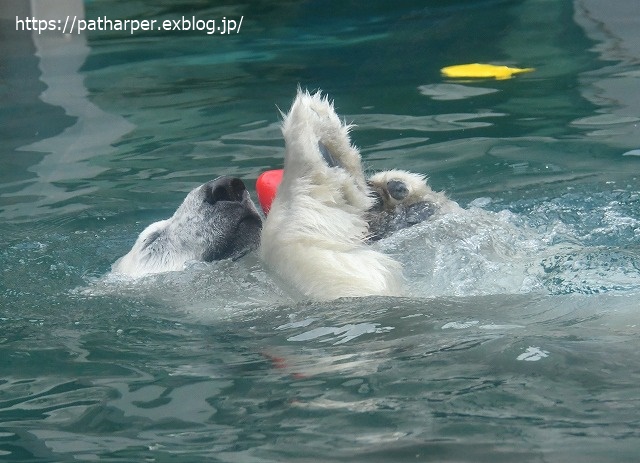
63, 172
613, 87
453, 91
437, 123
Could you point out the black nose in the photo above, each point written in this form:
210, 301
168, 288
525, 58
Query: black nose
224, 189
397, 189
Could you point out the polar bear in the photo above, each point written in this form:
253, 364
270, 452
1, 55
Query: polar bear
315, 235
403, 199
216, 221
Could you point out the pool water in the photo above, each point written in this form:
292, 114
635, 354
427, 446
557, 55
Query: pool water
518, 337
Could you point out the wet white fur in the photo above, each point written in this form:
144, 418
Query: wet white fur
139, 261
314, 235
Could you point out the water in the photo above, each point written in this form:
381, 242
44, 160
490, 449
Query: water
518, 338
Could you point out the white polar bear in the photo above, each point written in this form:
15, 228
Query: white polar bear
215, 221
315, 234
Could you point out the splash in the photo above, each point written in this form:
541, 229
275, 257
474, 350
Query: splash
572, 244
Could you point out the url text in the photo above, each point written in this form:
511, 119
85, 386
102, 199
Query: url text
76, 25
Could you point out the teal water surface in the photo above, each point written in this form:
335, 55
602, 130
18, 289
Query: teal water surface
518, 338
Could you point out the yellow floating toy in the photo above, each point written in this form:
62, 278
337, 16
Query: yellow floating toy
482, 71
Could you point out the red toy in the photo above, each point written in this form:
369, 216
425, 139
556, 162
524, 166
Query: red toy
267, 187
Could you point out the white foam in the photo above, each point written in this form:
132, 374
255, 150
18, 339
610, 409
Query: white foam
460, 325
340, 334
533, 354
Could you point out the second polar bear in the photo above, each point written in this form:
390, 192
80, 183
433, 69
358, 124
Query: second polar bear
315, 234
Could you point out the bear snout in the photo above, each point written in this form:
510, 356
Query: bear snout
397, 189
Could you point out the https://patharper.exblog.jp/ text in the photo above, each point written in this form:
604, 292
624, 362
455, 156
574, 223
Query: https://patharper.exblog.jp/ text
78, 25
